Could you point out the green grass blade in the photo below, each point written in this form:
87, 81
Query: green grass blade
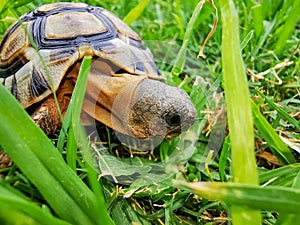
180, 59
282, 176
272, 198
278, 147
246, 40
237, 100
179, 18
79, 92
287, 218
10, 215
240, 121
225, 153
27, 145
288, 27
71, 151
102, 214
257, 19
136, 12
281, 112
23, 209
263, 38
75, 108
72, 118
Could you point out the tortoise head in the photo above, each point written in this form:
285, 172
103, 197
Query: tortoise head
137, 105
160, 110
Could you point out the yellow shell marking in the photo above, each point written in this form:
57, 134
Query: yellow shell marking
73, 24
15, 43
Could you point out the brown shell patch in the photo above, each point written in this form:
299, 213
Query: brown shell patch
73, 24
13, 44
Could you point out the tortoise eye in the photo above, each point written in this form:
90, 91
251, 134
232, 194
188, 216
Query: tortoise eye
173, 119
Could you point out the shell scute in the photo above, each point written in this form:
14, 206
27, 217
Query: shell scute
73, 24
13, 45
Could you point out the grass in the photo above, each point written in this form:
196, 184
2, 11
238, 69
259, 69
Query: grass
181, 181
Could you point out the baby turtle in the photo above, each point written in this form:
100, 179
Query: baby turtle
43, 51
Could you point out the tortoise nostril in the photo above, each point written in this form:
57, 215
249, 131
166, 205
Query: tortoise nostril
173, 120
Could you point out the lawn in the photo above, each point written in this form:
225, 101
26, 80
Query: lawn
238, 164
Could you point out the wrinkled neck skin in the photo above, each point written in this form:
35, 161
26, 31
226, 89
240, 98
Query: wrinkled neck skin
103, 88
136, 105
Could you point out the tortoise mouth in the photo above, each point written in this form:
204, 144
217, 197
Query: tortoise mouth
174, 132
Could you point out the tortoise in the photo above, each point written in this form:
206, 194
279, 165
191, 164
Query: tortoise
42, 53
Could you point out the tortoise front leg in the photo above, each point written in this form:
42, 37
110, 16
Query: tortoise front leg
46, 116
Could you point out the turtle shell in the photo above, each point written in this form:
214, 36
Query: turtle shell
37, 51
